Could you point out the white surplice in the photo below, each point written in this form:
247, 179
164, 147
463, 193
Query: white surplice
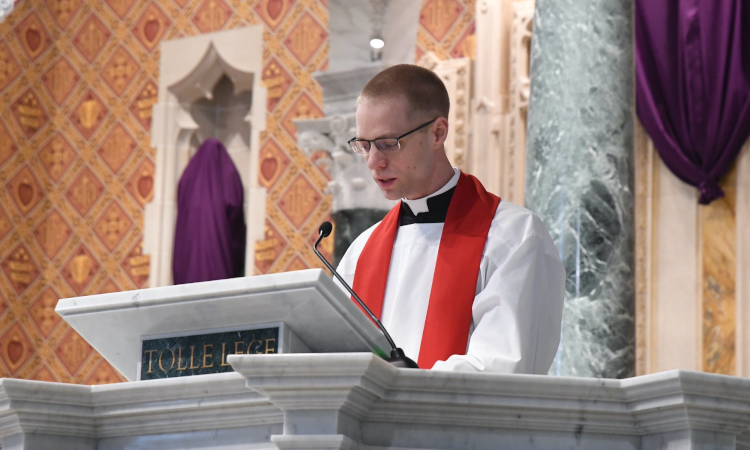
517, 310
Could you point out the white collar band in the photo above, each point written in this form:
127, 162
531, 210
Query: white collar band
419, 205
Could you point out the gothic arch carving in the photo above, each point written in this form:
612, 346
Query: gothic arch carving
190, 70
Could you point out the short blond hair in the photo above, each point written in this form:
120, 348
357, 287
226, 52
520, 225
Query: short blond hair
422, 89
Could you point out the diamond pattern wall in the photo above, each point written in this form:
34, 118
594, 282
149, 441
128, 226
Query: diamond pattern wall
446, 28
77, 83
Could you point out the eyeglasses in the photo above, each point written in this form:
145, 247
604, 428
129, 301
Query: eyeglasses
384, 145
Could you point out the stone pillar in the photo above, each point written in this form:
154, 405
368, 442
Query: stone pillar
580, 174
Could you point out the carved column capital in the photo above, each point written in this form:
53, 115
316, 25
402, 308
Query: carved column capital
351, 185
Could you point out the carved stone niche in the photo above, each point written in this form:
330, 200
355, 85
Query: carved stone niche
500, 94
456, 75
209, 86
520, 89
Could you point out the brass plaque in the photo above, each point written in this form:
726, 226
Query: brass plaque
202, 354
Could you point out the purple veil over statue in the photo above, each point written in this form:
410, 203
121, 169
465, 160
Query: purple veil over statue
693, 85
209, 241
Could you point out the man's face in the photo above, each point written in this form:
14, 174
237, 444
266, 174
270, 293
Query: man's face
405, 173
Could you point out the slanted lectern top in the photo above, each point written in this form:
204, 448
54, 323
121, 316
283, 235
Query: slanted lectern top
315, 314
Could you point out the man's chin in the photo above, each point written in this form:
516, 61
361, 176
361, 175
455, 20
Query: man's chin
390, 194
389, 188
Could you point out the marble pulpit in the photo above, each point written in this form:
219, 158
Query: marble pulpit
334, 394
358, 401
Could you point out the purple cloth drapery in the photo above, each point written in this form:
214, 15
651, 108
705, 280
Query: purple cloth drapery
693, 85
209, 241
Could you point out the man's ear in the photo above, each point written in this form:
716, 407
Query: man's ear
441, 131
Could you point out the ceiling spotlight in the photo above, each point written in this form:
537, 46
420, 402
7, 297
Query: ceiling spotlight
377, 43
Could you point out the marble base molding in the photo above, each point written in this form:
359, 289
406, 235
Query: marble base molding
358, 401
189, 413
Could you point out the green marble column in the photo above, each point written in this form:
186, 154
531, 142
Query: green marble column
580, 174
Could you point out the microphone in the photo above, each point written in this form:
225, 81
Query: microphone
398, 357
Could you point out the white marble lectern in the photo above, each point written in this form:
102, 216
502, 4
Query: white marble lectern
314, 314
353, 400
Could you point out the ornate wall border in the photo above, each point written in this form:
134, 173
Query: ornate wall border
456, 74
646, 184
742, 346
520, 88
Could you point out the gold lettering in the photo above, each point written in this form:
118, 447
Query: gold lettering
206, 354
270, 350
250, 345
150, 359
223, 355
192, 355
179, 360
162, 354
237, 351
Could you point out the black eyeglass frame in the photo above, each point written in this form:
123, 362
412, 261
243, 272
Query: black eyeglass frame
372, 142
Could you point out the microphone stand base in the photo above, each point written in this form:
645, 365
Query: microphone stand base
400, 360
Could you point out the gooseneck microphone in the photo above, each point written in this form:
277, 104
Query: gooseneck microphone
398, 357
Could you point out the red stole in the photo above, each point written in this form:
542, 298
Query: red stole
446, 328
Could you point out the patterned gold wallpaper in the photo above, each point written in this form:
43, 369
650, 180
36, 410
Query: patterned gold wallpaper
446, 27
77, 83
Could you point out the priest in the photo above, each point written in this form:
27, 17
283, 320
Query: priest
462, 280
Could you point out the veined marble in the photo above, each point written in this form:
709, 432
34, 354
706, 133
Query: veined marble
580, 174
207, 411
719, 241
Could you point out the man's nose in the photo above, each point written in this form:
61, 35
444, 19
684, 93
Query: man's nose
376, 159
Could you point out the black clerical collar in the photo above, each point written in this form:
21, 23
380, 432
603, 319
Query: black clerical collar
438, 209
